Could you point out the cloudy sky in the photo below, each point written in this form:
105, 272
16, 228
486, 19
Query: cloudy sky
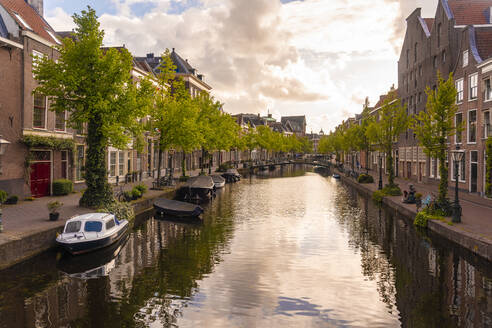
320, 58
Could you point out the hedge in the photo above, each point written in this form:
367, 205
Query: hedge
62, 187
365, 178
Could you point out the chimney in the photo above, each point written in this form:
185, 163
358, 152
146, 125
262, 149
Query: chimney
37, 5
200, 77
150, 56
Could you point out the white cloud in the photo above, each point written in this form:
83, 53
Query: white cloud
318, 57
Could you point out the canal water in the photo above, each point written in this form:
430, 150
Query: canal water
290, 248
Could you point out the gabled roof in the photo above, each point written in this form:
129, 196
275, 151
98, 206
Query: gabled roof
483, 41
296, 122
429, 22
36, 23
469, 12
182, 66
3, 29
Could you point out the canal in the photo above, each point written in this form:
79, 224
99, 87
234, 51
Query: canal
290, 248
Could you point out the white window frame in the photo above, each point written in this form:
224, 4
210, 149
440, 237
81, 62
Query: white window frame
121, 163
468, 127
465, 58
45, 127
64, 122
470, 167
473, 87
487, 91
461, 167
455, 124
432, 163
486, 130
460, 91
111, 164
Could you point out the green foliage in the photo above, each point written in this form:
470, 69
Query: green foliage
122, 211
434, 126
29, 199
224, 167
424, 216
141, 187
54, 206
3, 196
32, 141
11, 200
62, 187
136, 193
383, 132
392, 190
488, 175
94, 85
365, 178
378, 197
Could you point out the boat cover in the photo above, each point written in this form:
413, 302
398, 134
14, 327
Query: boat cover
200, 182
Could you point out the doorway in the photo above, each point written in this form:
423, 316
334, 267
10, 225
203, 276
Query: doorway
41, 173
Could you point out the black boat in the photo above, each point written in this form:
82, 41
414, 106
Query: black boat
232, 175
197, 189
176, 208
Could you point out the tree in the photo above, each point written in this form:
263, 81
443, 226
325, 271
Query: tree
436, 125
94, 85
384, 132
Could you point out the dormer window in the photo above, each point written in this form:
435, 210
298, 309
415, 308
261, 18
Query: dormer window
465, 58
23, 22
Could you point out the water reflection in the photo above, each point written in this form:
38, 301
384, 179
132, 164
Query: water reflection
303, 250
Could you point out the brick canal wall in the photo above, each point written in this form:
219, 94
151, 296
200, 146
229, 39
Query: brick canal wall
471, 241
25, 247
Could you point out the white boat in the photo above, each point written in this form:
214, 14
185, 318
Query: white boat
89, 232
219, 181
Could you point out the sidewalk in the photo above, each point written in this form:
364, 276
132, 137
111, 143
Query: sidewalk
476, 221
28, 222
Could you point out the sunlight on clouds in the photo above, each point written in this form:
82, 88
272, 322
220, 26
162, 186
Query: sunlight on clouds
318, 57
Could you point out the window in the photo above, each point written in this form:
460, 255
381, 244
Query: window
110, 224
420, 70
93, 226
434, 62
73, 226
433, 168
473, 86
487, 129
443, 56
487, 90
439, 30
60, 121
472, 126
129, 164
39, 112
420, 97
80, 163
121, 163
408, 58
458, 122
461, 170
36, 56
64, 164
112, 163
465, 58
416, 52
459, 90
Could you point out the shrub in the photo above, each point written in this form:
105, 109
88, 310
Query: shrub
12, 200
136, 193
378, 197
3, 196
62, 187
393, 190
424, 216
122, 211
53, 207
142, 188
127, 195
365, 178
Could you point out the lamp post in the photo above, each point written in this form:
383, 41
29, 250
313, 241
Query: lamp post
380, 185
457, 158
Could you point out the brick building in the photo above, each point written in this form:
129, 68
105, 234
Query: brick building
457, 40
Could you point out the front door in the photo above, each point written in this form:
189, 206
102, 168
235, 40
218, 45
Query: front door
40, 179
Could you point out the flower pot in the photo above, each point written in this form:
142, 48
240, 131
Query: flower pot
54, 216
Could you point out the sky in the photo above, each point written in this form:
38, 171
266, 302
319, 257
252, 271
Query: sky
319, 58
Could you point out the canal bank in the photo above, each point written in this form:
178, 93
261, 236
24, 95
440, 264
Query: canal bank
28, 232
469, 236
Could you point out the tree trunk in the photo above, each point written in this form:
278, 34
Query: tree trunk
98, 192
211, 162
159, 164
443, 172
391, 171
202, 162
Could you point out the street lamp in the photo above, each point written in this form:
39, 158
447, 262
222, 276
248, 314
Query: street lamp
380, 185
457, 158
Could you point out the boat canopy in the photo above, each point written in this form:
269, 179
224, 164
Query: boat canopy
200, 182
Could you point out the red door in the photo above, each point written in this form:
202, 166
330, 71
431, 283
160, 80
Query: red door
40, 179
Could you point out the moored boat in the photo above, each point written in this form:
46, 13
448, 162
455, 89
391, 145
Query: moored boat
89, 232
219, 181
336, 176
197, 189
176, 208
232, 175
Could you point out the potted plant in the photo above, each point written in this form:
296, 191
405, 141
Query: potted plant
53, 207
